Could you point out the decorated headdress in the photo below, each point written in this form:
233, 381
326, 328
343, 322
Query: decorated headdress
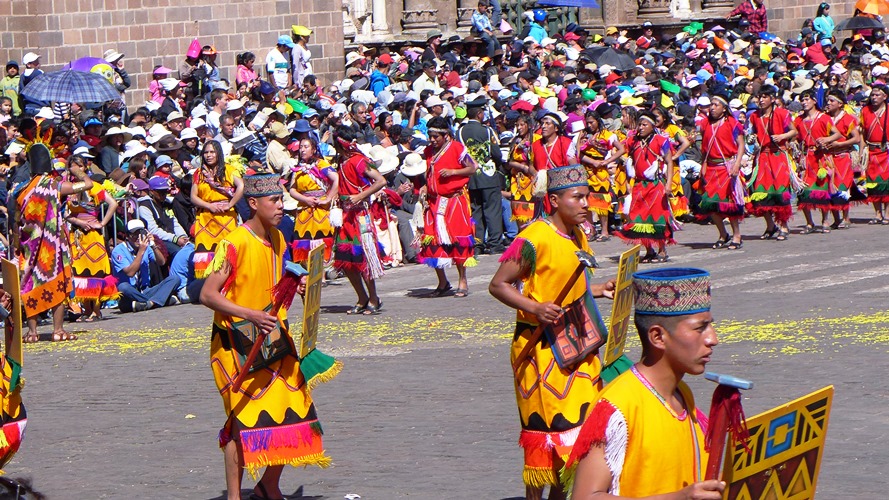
672, 291
566, 177
260, 185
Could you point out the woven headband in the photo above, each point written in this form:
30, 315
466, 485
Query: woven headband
672, 291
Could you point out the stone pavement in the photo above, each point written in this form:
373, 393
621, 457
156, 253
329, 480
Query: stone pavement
425, 405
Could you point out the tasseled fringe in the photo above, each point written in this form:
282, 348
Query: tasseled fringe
355, 250
592, 433
616, 448
816, 195
521, 219
758, 196
369, 245
470, 262
821, 174
437, 262
633, 239
641, 227
323, 378
284, 436
225, 252
343, 266
539, 440
523, 252
427, 240
877, 198
814, 206
538, 477
319, 459
318, 367
730, 209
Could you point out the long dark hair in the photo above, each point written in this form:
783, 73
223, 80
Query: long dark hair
219, 168
822, 8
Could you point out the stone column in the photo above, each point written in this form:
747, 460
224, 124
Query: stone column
379, 16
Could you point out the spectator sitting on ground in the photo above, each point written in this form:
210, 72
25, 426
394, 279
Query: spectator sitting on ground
131, 261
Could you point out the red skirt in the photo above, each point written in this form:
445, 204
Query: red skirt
649, 218
448, 232
816, 195
878, 176
770, 193
718, 193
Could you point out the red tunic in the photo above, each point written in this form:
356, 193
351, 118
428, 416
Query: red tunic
722, 193
448, 230
546, 158
876, 133
817, 192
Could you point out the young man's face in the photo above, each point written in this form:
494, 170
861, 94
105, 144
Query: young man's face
268, 209
571, 204
689, 345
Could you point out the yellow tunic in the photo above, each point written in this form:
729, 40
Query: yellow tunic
210, 228
552, 401
312, 224
13, 417
521, 186
90, 264
272, 416
649, 449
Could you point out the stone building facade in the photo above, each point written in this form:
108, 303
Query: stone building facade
152, 32
376, 21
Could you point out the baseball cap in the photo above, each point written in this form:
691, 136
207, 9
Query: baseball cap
139, 185
135, 224
158, 183
285, 40
30, 57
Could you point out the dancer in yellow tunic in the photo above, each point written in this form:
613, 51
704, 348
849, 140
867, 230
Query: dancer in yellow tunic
644, 435
13, 417
522, 173
93, 282
314, 185
270, 420
553, 400
216, 189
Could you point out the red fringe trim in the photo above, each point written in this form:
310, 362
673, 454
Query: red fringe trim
877, 198
339, 265
514, 251
814, 206
646, 242
782, 214
592, 433
231, 255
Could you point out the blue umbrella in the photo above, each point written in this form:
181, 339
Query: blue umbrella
71, 86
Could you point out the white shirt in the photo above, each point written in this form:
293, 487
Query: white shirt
301, 64
277, 66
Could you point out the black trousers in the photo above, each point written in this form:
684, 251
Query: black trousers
488, 215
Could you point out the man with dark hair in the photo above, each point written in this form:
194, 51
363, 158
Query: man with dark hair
273, 423
483, 26
484, 187
361, 124
612, 455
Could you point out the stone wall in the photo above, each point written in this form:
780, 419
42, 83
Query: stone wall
786, 16
152, 32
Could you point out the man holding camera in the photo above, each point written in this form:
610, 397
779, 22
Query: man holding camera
131, 261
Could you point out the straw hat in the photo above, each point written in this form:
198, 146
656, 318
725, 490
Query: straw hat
386, 162
413, 165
